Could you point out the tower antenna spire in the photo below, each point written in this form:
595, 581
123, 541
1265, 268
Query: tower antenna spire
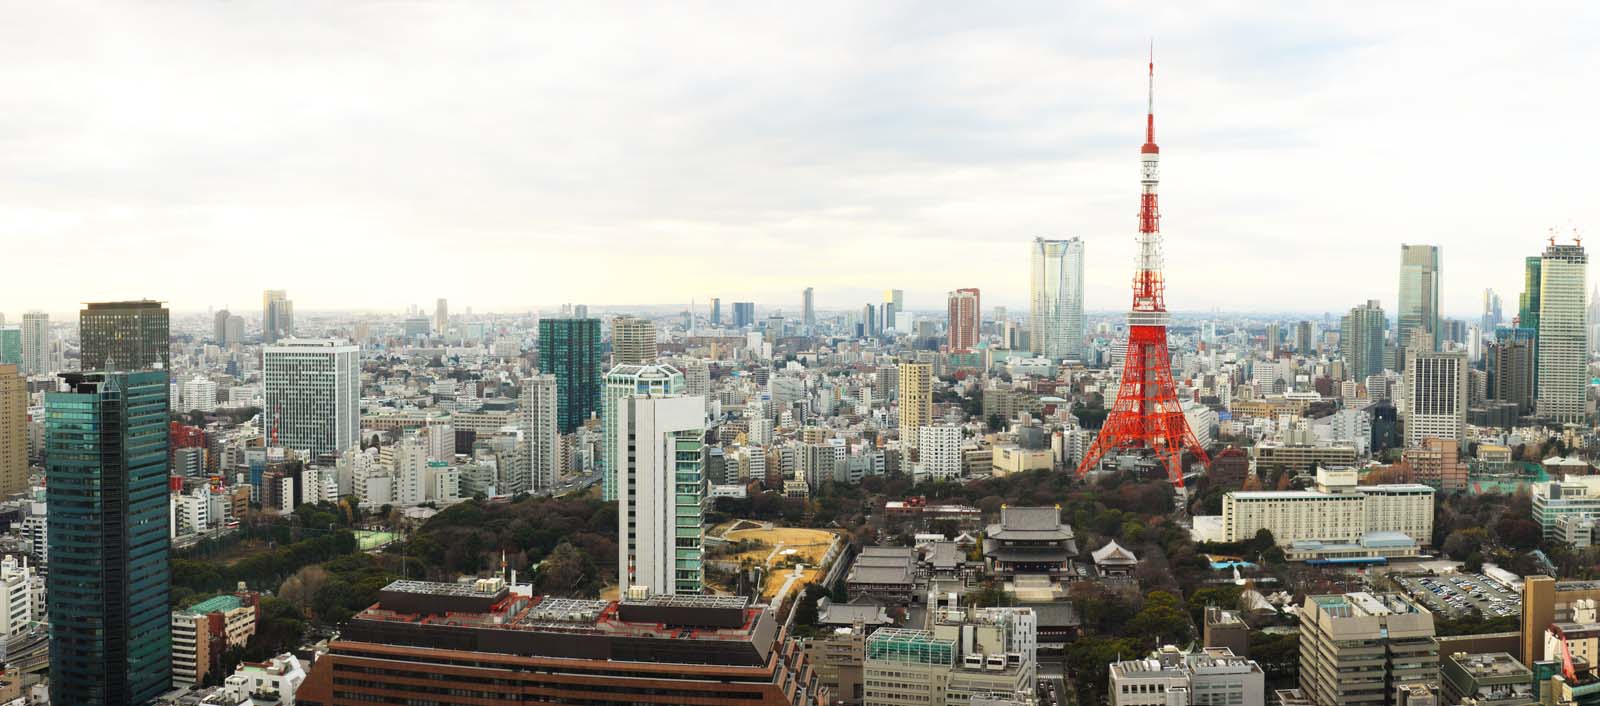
1150, 111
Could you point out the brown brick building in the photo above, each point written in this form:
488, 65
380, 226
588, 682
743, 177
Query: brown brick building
483, 645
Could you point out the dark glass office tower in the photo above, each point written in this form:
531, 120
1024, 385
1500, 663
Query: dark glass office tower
570, 350
124, 336
106, 487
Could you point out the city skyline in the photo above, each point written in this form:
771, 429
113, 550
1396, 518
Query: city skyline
946, 141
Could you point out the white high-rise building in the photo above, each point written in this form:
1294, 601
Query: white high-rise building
410, 472
441, 316
35, 343
313, 394
1056, 305
661, 491
939, 452
539, 432
1563, 376
808, 310
624, 380
1435, 396
199, 395
18, 583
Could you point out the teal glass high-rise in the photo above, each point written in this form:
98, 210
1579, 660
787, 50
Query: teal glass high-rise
570, 350
10, 345
109, 581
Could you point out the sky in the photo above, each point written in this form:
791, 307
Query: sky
520, 155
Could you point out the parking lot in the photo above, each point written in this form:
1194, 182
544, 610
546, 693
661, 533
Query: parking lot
1455, 595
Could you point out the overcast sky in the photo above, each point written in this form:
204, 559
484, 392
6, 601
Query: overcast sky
374, 155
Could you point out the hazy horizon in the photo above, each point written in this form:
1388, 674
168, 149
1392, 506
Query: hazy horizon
362, 154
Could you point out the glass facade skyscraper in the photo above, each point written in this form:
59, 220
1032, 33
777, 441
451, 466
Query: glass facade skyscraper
1419, 298
106, 487
129, 335
570, 350
1563, 352
1056, 298
10, 345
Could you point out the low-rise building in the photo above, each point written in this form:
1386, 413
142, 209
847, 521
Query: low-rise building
1030, 541
1338, 519
1493, 679
1170, 677
968, 652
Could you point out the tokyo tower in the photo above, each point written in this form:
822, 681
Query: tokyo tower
1147, 414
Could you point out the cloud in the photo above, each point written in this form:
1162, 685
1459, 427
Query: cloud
374, 155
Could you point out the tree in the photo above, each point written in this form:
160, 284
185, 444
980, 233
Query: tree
300, 588
1161, 619
566, 571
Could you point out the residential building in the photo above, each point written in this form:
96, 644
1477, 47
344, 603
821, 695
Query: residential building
499, 648
1360, 648
939, 452
198, 395
661, 492
570, 350
312, 389
623, 381
539, 423
131, 335
1511, 370
21, 593
633, 341
1213, 676
1056, 298
13, 432
966, 319
1563, 348
36, 344
1436, 396
916, 401
1437, 463
1419, 299
204, 631
270, 683
1361, 340
277, 315
110, 631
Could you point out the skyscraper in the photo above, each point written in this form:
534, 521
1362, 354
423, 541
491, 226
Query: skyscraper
233, 330
1562, 357
1510, 366
11, 345
13, 431
716, 311
106, 441
540, 434
1055, 312
131, 335
441, 316
1436, 396
894, 302
965, 314
570, 350
744, 314
622, 381
633, 340
661, 492
1491, 313
1361, 340
1303, 342
1419, 297
277, 315
219, 327
808, 310
35, 343
916, 401
1528, 303
312, 394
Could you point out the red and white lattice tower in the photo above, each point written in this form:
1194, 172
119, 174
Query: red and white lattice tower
1147, 414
